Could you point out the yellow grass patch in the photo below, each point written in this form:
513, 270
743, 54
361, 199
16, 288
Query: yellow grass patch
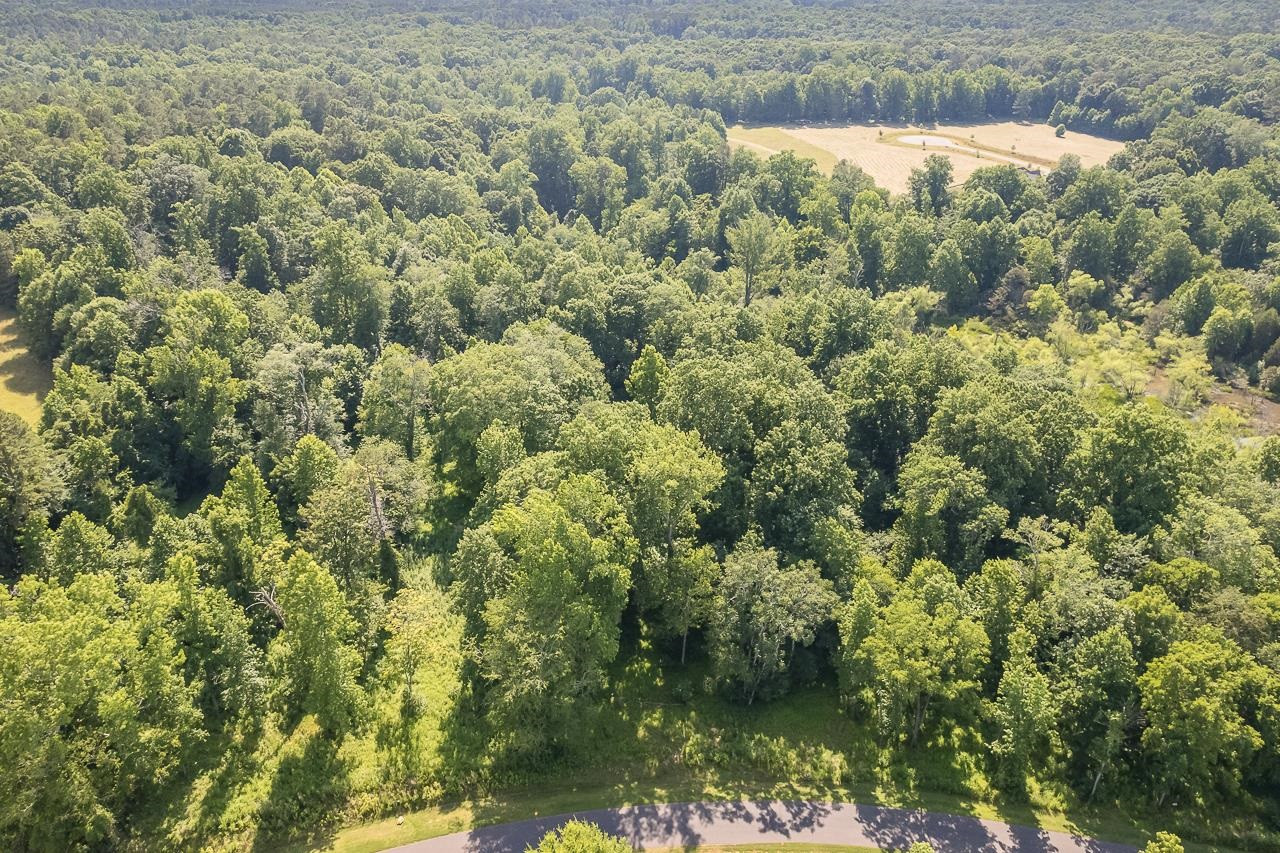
889, 153
23, 379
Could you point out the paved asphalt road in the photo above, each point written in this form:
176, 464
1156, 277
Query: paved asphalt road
774, 822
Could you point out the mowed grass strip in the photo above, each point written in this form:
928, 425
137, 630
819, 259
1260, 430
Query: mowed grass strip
965, 147
628, 786
24, 380
765, 141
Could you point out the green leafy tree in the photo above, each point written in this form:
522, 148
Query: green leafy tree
1171, 264
1091, 247
917, 658
580, 837
553, 148
1024, 711
648, 372
255, 261
549, 578
242, 522
909, 251
98, 716
1197, 738
762, 610
800, 480
947, 512
311, 466
31, 489
949, 274
534, 380
751, 244
394, 403
354, 521
1250, 227
930, 187
296, 397
1133, 463
601, 189
312, 659
347, 291
1099, 706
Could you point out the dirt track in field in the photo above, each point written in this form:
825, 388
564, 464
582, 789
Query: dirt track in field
881, 151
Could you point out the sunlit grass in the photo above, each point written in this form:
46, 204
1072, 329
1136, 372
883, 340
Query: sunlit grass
24, 380
765, 140
656, 747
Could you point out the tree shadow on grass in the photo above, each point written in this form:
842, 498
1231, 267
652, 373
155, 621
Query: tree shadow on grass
24, 379
308, 788
235, 764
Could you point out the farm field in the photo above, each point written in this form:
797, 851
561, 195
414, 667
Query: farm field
889, 152
23, 379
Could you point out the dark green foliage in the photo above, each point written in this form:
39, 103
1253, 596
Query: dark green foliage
433, 388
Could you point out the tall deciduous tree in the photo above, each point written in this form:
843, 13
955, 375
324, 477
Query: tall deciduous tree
394, 403
1197, 738
98, 715
549, 578
31, 488
347, 291
917, 658
750, 247
1025, 713
762, 610
312, 659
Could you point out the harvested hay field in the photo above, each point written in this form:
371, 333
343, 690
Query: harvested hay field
889, 152
23, 379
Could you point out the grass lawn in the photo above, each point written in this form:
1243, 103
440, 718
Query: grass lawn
802, 747
23, 379
660, 739
601, 790
765, 140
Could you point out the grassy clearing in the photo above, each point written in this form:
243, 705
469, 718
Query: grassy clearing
770, 140
602, 789
674, 744
613, 788
23, 379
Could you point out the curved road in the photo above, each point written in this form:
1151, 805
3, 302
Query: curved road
776, 822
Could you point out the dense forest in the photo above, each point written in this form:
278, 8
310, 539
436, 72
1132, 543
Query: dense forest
440, 405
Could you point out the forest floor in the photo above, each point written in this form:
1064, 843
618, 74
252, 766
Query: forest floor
23, 379
889, 152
